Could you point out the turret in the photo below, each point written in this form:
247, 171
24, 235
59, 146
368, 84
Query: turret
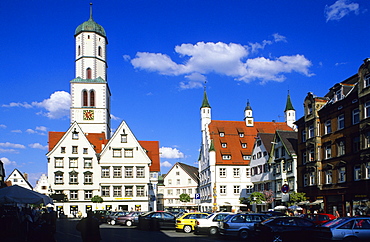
205, 112
290, 113
248, 115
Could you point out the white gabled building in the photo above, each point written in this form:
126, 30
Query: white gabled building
42, 185
87, 160
180, 179
17, 178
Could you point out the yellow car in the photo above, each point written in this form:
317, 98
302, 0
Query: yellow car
187, 221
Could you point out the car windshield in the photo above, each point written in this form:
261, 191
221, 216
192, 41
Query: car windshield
210, 215
334, 222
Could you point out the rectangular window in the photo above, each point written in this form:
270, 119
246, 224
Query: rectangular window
178, 192
177, 181
305, 180
73, 178
87, 163
328, 127
236, 172
117, 153
88, 194
222, 172
117, 172
74, 149
105, 172
190, 191
223, 190
329, 177
236, 189
189, 181
129, 191
311, 132
341, 174
311, 154
129, 172
59, 163
357, 173
88, 178
140, 172
73, 195
170, 192
123, 138
304, 135
105, 191
327, 151
129, 153
282, 152
367, 140
62, 149
356, 144
367, 109
249, 189
59, 179
355, 116
85, 150
117, 191
367, 81
341, 148
140, 192
312, 178
247, 172
341, 121
304, 157
169, 181
367, 170
72, 162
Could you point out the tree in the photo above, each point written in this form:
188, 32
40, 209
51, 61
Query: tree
97, 199
59, 197
296, 197
257, 197
269, 196
185, 198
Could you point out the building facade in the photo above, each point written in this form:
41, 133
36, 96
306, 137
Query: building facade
18, 178
87, 160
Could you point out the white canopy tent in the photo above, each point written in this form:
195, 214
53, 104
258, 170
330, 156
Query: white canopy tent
20, 195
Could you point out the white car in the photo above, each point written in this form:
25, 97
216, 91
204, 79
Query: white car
210, 224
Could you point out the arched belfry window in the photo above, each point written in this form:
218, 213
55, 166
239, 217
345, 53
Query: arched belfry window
79, 50
92, 98
99, 51
84, 98
88, 73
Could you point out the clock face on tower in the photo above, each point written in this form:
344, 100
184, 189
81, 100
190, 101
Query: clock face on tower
88, 115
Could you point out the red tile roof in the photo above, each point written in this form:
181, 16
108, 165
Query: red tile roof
233, 141
152, 148
96, 139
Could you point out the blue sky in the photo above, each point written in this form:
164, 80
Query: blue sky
160, 54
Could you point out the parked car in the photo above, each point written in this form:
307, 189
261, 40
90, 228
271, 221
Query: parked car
187, 221
113, 216
279, 229
128, 219
318, 218
102, 215
176, 211
346, 228
210, 224
157, 220
273, 213
241, 225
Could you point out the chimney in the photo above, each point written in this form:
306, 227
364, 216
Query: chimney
25, 175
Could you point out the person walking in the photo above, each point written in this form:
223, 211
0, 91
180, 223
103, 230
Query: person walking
89, 228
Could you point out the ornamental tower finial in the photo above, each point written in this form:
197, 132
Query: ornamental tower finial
91, 15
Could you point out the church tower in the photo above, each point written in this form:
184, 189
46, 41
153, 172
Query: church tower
290, 113
90, 92
248, 115
205, 112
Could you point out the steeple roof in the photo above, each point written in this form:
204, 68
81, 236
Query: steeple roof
90, 26
289, 105
248, 107
205, 103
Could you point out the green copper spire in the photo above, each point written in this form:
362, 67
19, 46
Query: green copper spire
289, 105
205, 103
212, 147
90, 26
248, 107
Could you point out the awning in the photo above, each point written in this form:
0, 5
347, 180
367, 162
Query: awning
317, 202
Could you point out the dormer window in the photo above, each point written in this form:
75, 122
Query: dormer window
244, 145
74, 134
309, 108
222, 134
338, 95
223, 145
226, 157
241, 135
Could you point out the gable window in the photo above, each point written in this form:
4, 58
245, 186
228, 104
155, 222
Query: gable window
341, 121
189, 181
328, 126
309, 108
282, 152
367, 80
236, 172
105, 172
355, 116
129, 153
222, 172
117, 153
338, 95
73, 162
85, 150
74, 149
63, 150
367, 109
289, 166
123, 138
59, 162
341, 174
87, 163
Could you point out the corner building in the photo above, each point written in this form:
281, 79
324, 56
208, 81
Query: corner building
87, 160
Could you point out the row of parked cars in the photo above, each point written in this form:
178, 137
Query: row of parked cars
267, 226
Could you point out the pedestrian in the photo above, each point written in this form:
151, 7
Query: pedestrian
337, 215
89, 228
79, 214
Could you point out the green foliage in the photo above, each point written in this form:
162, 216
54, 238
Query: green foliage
97, 199
185, 198
296, 197
59, 197
257, 198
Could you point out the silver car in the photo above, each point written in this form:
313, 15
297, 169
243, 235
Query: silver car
241, 225
347, 228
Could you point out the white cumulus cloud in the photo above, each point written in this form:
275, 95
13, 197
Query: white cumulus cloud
166, 164
12, 145
38, 146
2, 126
7, 162
224, 59
57, 105
340, 9
170, 153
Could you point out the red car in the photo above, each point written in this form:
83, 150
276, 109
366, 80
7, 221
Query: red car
318, 218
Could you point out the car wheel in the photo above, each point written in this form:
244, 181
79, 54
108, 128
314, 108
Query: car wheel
243, 234
112, 222
277, 238
129, 223
187, 229
213, 231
